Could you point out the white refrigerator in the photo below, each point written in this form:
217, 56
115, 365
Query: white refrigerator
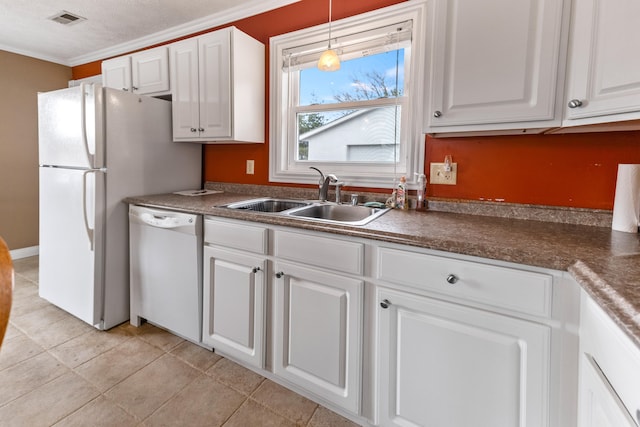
96, 147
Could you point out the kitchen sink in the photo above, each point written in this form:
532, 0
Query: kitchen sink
342, 214
268, 205
316, 211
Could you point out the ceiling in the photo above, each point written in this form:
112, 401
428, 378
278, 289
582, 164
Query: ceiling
112, 27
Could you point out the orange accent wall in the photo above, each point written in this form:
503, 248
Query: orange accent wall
577, 170
86, 70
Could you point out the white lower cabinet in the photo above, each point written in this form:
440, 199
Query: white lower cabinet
234, 296
317, 336
600, 406
391, 335
443, 364
235, 290
318, 315
609, 388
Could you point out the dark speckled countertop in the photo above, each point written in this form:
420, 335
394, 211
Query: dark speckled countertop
606, 263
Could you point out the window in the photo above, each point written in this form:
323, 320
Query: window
362, 122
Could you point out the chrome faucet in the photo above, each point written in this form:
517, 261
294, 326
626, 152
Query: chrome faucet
324, 183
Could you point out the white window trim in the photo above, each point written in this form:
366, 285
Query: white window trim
415, 10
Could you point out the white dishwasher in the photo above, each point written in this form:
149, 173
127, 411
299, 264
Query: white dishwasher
166, 270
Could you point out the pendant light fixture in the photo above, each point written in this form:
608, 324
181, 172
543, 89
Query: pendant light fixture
329, 60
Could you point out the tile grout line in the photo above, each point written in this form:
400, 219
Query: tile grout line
111, 400
155, 341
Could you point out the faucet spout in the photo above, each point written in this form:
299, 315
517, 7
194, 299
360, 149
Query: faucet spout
324, 183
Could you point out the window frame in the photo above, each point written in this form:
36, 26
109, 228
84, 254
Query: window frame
366, 174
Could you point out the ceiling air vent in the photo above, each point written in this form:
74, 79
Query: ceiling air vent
67, 18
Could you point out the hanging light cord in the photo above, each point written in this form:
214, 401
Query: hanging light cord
330, 2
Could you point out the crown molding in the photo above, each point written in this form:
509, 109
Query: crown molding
255, 7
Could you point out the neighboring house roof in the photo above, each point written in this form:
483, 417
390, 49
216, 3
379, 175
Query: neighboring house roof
334, 123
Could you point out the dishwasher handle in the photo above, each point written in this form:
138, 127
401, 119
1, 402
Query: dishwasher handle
178, 221
164, 221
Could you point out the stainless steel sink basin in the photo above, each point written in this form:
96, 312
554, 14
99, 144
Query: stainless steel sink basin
310, 210
342, 214
268, 205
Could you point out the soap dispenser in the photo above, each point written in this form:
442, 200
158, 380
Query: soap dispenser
421, 191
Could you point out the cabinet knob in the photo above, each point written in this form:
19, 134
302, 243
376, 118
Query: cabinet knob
201, 129
437, 114
452, 278
256, 269
194, 130
575, 103
280, 274
385, 303
134, 88
125, 89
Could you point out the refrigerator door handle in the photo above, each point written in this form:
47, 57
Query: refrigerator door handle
83, 123
89, 230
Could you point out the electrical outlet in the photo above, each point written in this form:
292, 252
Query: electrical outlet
250, 165
440, 176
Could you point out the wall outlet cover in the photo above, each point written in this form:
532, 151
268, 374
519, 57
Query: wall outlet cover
440, 176
250, 167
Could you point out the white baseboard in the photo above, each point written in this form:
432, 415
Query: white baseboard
24, 252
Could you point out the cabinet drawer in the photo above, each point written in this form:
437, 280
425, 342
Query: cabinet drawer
616, 355
235, 235
501, 287
330, 253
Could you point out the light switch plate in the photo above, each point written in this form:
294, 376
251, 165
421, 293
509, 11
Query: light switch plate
250, 167
440, 176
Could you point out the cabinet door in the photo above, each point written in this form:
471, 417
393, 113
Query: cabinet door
215, 85
604, 71
317, 337
442, 364
599, 403
116, 73
494, 61
150, 71
234, 304
184, 89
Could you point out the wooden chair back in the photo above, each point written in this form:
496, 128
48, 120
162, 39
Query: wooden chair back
6, 287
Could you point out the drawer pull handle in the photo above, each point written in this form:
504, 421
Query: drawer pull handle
452, 278
385, 303
280, 274
256, 269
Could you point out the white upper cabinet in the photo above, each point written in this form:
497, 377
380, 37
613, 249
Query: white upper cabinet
217, 86
150, 71
116, 73
143, 73
603, 82
495, 65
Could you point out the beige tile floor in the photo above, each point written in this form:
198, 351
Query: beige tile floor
56, 370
